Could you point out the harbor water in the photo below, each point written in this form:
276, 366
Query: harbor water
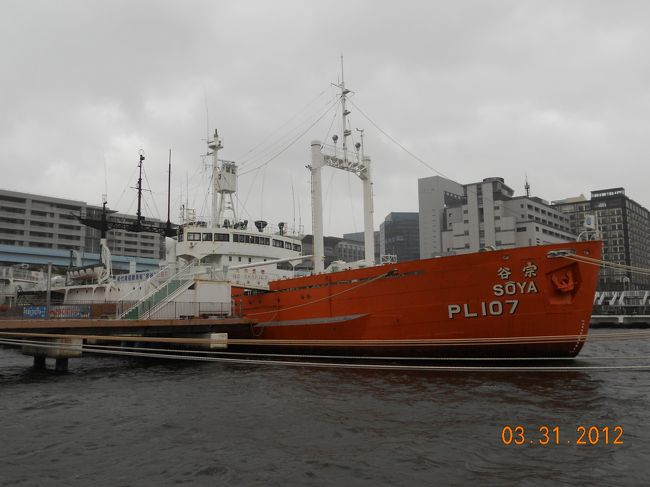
115, 421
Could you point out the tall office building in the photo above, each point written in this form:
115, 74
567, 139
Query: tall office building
434, 195
625, 228
399, 235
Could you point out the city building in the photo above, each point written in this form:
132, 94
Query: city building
34, 228
359, 237
399, 235
625, 229
461, 219
335, 248
434, 195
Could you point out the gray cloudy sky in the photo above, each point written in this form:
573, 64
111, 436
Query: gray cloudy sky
557, 90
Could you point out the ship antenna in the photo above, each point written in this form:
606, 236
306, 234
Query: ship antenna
293, 199
344, 113
207, 115
169, 192
139, 212
105, 195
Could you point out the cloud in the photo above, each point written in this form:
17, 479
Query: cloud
555, 90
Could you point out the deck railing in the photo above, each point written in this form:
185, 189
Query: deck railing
112, 310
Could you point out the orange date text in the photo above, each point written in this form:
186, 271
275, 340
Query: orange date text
553, 435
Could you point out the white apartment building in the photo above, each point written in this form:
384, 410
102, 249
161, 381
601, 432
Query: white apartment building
434, 195
44, 222
487, 215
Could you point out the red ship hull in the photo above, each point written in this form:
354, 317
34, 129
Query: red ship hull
523, 302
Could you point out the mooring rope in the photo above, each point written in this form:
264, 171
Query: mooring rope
89, 347
604, 263
399, 367
522, 340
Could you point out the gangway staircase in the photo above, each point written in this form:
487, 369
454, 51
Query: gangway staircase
162, 294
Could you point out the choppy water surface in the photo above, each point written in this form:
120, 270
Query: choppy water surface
114, 421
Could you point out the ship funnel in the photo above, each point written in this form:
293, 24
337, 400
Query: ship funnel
261, 225
281, 227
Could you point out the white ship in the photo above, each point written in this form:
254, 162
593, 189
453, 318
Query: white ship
207, 257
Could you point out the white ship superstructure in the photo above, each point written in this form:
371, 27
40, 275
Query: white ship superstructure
249, 254
206, 258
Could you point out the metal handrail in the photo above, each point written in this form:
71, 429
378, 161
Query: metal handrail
192, 264
155, 276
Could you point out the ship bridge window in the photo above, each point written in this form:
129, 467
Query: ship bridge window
207, 237
278, 243
296, 247
221, 237
287, 245
193, 237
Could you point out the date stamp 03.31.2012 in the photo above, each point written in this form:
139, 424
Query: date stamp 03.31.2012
554, 435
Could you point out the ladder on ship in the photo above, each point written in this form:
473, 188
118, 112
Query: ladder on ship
163, 294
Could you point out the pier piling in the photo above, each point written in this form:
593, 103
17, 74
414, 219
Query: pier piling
61, 365
39, 362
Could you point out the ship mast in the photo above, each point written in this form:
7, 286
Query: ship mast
359, 166
224, 185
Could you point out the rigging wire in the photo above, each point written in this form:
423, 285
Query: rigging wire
511, 212
298, 137
392, 139
327, 195
243, 207
273, 147
262, 194
126, 187
128, 210
293, 117
152, 198
250, 188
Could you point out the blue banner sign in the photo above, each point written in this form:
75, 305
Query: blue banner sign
34, 312
59, 312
